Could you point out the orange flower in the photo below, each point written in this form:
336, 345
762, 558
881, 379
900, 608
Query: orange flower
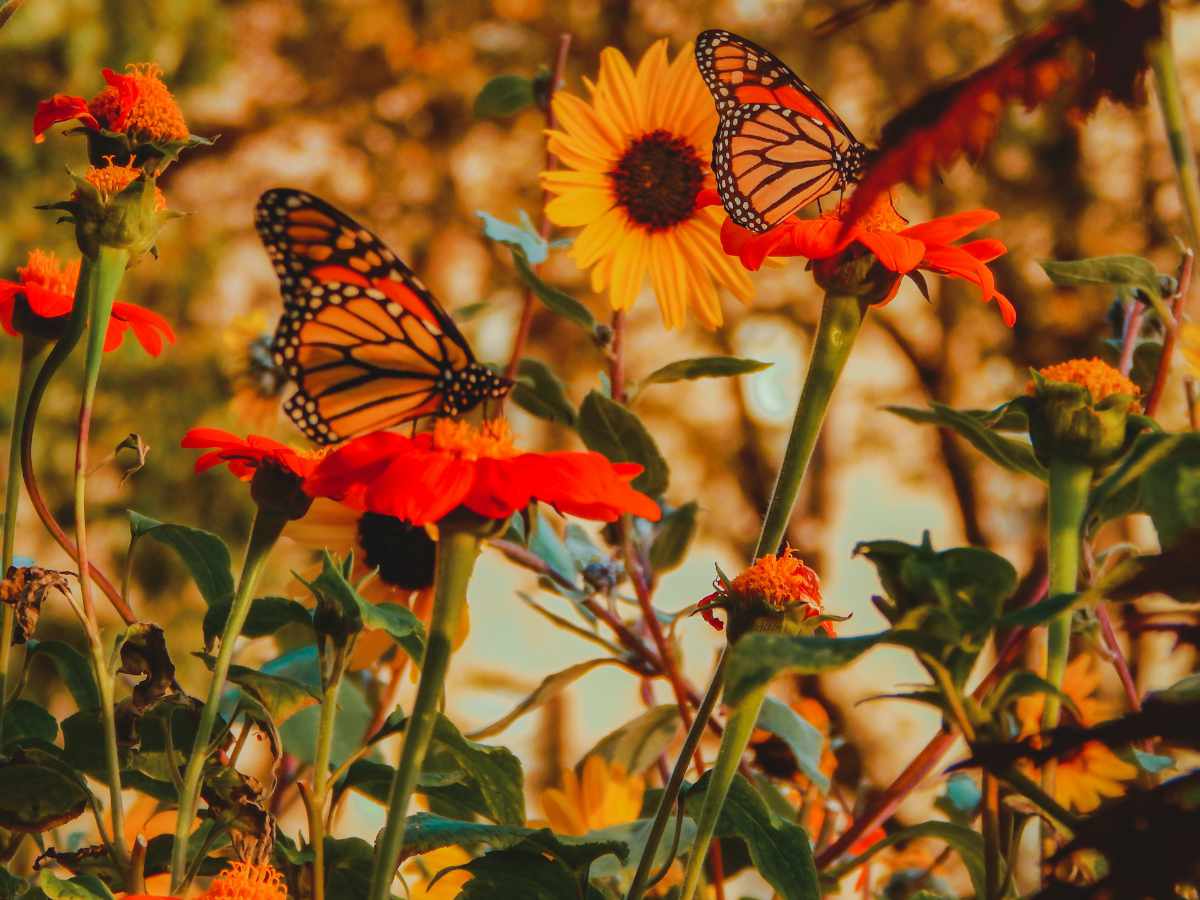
423, 478
111, 179
774, 584
138, 104
881, 231
245, 881
1101, 379
46, 289
246, 457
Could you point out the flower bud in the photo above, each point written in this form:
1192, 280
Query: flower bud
278, 490
856, 273
1079, 411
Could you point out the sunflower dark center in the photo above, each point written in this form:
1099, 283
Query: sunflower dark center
657, 180
403, 553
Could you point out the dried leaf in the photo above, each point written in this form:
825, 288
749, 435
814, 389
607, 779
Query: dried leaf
25, 588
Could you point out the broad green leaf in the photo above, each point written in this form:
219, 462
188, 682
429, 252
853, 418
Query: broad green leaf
552, 298
1119, 492
158, 851
618, 874
703, 367
36, 798
81, 887
805, 741
496, 771
614, 431
73, 669
205, 554
551, 686
523, 237
1124, 272
780, 849
673, 537
1170, 490
539, 392
756, 659
966, 841
267, 615
299, 733
638, 743
11, 887
512, 873
1014, 455
348, 868
1039, 613
25, 719
504, 96
83, 742
283, 697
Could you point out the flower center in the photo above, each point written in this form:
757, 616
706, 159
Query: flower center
880, 216
780, 582
404, 553
657, 180
1101, 379
245, 881
154, 115
112, 179
44, 270
493, 440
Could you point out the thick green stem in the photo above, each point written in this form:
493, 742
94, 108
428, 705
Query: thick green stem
31, 354
263, 535
1069, 483
733, 744
105, 678
841, 318
320, 781
1174, 113
666, 802
456, 552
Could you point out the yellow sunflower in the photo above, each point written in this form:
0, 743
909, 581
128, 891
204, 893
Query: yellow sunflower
404, 555
1084, 778
634, 161
421, 870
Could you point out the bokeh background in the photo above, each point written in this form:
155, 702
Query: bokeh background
369, 104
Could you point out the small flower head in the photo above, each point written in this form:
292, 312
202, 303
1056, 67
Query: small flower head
423, 479
115, 205
246, 881
112, 178
276, 472
1080, 410
776, 593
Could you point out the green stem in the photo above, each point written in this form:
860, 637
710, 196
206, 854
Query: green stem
1069, 483
263, 534
733, 744
993, 858
320, 782
666, 802
31, 354
1174, 113
841, 318
456, 551
104, 676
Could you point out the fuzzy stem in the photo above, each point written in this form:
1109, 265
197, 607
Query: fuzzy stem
667, 801
31, 354
733, 743
263, 534
320, 780
456, 552
841, 318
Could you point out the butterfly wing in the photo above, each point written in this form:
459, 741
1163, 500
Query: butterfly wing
779, 146
364, 341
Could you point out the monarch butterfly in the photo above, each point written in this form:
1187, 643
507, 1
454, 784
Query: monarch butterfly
365, 343
778, 146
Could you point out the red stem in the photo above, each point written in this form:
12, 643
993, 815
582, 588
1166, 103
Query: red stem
1172, 332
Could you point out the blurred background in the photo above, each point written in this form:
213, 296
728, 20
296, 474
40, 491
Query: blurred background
369, 104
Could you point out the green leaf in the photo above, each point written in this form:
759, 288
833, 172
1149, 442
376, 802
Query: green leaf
639, 742
619, 875
299, 733
703, 367
511, 873
1124, 272
496, 771
36, 798
1170, 490
1119, 492
25, 719
11, 887
805, 741
73, 669
205, 554
673, 537
967, 842
1039, 613
282, 697
523, 237
267, 615
81, 887
504, 96
552, 298
612, 430
1014, 455
551, 686
348, 868
779, 849
539, 392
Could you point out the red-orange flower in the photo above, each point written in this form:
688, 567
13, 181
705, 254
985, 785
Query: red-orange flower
247, 881
423, 478
47, 289
772, 585
881, 231
138, 104
246, 456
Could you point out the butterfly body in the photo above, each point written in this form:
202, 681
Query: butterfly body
365, 343
779, 146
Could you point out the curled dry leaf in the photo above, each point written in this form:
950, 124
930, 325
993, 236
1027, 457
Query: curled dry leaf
1101, 48
24, 588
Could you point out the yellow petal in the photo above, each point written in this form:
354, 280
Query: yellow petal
602, 273
668, 278
579, 120
579, 207
616, 93
562, 814
652, 85
599, 239
727, 269
595, 788
327, 524
629, 268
